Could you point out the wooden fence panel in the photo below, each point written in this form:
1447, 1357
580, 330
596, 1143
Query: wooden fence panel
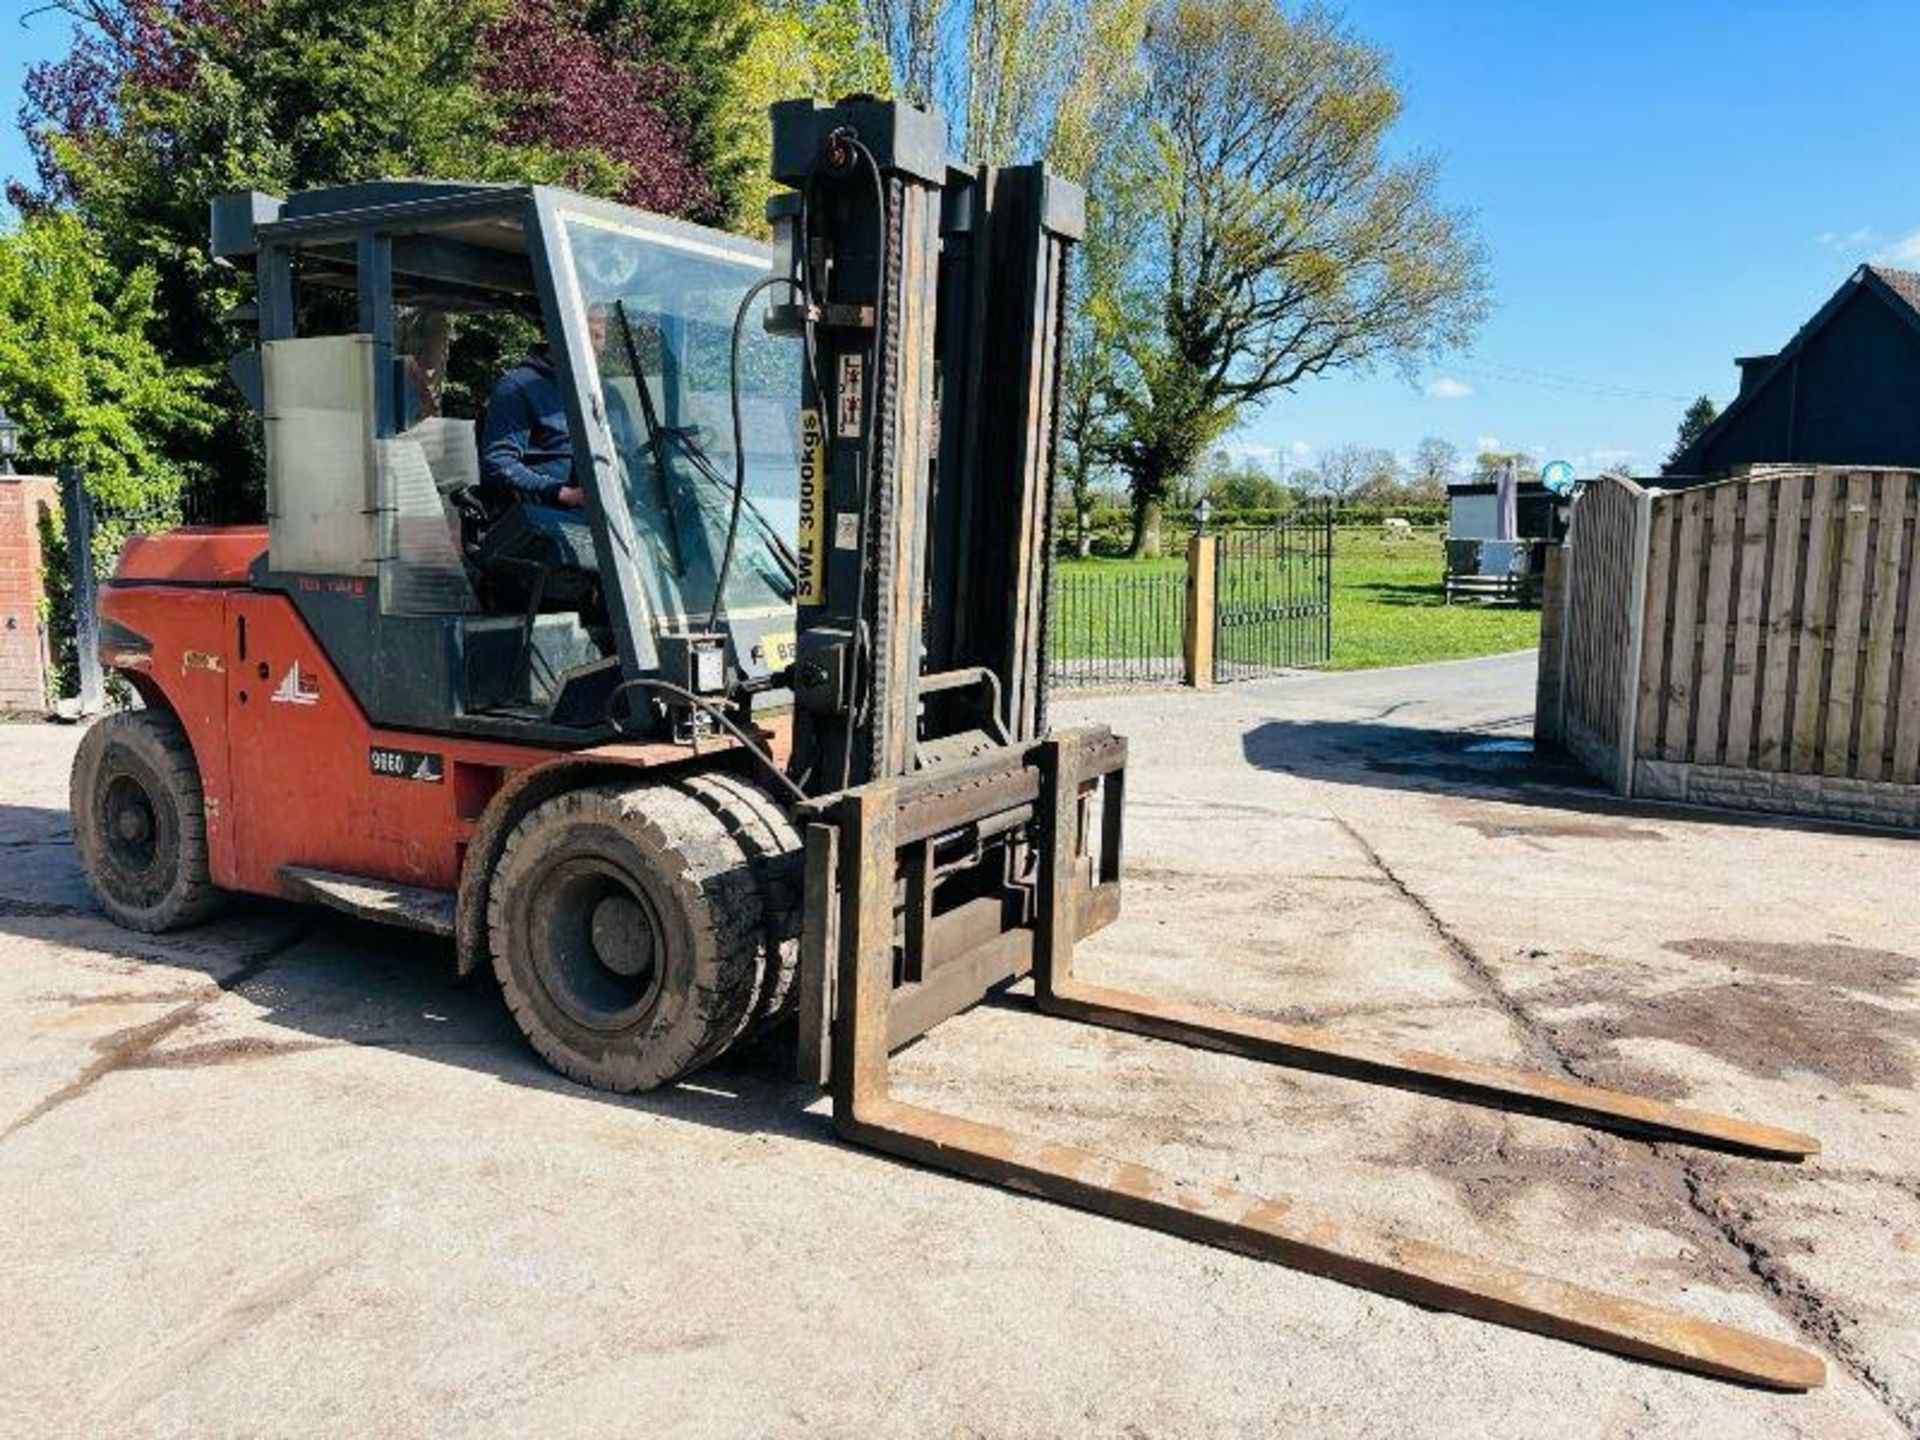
1783, 599
1882, 634
1656, 652
1906, 725
1684, 648
1779, 624
1811, 636
1722, 546
1856, 528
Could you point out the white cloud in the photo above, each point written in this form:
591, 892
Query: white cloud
1595, 462
1298, 450
1250, 450
1484, 443
1904, 251
1448, 388
1852, 242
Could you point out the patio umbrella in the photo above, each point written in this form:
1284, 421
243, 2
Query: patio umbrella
1506, 498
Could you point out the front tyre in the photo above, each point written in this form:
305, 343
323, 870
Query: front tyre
628, 927
140, 822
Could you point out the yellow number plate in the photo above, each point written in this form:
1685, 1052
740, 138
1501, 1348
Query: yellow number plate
777, 651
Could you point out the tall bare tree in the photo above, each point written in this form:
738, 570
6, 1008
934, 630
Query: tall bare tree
1436, 462
1353, 472
1278, 240
911, 31
1017, 78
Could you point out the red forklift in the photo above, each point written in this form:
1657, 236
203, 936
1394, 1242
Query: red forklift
759, 735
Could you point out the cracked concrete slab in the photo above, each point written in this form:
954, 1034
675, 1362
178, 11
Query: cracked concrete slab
338, 1194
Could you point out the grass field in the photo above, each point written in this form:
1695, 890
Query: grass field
1387, 607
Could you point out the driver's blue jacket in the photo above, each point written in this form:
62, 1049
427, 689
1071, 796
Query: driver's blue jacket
526, 451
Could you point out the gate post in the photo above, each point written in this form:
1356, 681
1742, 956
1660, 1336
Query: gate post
24, 667
1203, 571
77, 513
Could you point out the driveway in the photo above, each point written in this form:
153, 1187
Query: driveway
282, 1173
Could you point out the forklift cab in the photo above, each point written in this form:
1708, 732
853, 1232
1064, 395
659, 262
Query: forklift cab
443, 607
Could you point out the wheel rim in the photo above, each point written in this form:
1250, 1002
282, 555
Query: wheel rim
130, 826
598, 945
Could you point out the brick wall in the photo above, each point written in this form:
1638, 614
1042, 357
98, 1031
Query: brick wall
22, 644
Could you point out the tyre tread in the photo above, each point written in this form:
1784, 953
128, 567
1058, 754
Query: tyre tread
159, 738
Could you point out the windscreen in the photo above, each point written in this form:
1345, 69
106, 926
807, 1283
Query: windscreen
660, 311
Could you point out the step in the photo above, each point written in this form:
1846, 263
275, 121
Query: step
410, 906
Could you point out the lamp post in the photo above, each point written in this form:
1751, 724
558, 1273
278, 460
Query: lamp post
9, 440
1201, 512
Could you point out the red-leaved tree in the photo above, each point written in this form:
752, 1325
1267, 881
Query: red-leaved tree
564, 88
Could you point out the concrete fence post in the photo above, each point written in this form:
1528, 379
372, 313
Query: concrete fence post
1203, 570
1636, 638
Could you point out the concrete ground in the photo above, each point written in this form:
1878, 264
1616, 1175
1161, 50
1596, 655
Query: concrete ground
283, 1174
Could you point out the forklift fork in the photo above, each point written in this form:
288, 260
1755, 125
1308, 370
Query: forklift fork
882, 963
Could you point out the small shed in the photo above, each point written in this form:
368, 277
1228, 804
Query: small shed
1477, 564
1540, 514
1842, 391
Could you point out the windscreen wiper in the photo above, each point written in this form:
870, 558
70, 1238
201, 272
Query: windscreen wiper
656, 453
689, 442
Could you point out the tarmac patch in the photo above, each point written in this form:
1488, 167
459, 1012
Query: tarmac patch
1853, 967
1491, 1171
1765, 1027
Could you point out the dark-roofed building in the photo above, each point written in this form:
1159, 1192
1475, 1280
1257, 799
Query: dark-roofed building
1844, 391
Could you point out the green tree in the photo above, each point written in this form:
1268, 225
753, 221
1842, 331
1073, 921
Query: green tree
79, 371
739, 56
1279, 240
1486, 465
163, 104
821, 48
913, 33
81, 376
1700, 414
1238, 483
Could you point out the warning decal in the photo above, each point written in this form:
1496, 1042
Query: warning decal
848, 395
810, 586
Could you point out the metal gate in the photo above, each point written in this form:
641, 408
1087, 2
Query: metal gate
1273, 597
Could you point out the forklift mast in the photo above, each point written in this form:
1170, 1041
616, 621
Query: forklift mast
933, 299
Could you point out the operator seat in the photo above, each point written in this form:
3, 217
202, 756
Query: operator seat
536, 558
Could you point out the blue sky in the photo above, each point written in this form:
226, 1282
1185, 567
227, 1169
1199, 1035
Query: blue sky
1661, 187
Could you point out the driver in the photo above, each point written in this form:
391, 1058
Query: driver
526, 452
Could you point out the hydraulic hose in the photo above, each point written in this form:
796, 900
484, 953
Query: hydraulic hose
754, 291
700, 702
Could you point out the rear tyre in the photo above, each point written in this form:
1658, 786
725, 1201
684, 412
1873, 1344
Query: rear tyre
630, 929
140, 822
